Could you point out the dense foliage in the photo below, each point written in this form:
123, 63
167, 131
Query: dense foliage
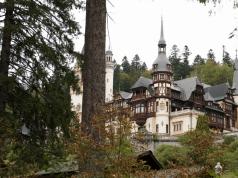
35, 80
126, 74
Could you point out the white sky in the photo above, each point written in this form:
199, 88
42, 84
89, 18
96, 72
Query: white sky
135, 28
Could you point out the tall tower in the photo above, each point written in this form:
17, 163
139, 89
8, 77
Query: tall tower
109, 76
235, 87
235, 80
162, 76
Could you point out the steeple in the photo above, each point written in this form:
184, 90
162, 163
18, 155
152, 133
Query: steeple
235, 76
162, 43
236, 62
161, 63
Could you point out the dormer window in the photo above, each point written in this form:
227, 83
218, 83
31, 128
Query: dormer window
161, 76
169, 66
155, 66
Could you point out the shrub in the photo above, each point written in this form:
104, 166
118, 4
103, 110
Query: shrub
228, 139
170, 156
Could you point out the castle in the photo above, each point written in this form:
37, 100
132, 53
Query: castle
163, 106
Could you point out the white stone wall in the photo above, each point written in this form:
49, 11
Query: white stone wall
187, 118
77, 101
162, 115
134, 127
109, 81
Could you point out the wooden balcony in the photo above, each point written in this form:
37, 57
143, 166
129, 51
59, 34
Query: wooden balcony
138, 97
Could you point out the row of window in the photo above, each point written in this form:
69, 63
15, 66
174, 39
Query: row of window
161, 77
177, 126
140, 108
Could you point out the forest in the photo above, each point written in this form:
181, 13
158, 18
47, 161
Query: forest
210, 70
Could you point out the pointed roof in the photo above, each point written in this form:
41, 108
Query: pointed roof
162, 40
125, 95
208, 96
188, 85
142, 82
109, 53
235, 76
218, 92
162, 61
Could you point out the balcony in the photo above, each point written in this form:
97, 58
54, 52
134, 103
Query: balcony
186, 112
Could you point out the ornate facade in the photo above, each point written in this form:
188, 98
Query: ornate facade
163, 106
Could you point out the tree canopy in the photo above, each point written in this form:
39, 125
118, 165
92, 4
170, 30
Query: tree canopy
35, 74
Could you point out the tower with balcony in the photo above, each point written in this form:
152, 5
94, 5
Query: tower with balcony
162, 77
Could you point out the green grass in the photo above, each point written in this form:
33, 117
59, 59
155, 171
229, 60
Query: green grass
230, 175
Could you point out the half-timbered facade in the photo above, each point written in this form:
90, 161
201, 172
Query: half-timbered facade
163, 106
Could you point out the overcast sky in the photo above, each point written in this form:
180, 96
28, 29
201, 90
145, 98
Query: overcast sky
135, 28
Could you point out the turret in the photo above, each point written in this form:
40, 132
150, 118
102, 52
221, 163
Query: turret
235, 80
162, 72
162, 75
109, 76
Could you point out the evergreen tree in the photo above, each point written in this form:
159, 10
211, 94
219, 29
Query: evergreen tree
175, 52
227, 59
211, 55
198, 60
125, 65
116, 78
143, 66
175, 62
186, 53
135, 63
35, 76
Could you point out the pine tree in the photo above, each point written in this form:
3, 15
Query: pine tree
198, 60
125, 65
227, 59
211, 55
35, 76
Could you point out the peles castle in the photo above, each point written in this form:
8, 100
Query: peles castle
163, 106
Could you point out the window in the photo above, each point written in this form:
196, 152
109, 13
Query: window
157, 128
155, 66
161, 76
177, 126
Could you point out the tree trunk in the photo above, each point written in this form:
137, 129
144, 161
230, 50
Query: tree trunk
4, 65
94, 65
5, 53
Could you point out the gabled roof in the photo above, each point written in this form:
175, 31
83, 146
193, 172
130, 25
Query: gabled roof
142, 82
188, 85
208, 97
125, 95
218, 92
174, 86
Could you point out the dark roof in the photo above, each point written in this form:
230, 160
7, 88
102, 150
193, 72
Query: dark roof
162, 40
125, 95
59, 167
150, 160
162, 62
187, 86
109, 52
142, 82
218, 92
208, 96
174, 86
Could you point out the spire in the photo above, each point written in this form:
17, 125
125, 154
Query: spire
162, 40
236, 61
